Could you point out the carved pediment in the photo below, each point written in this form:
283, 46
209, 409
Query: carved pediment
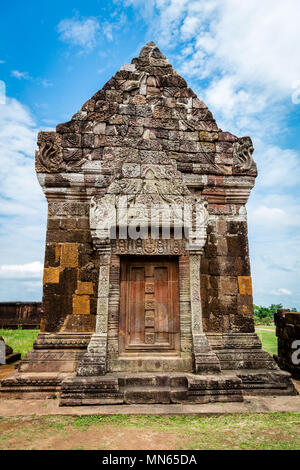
149, 195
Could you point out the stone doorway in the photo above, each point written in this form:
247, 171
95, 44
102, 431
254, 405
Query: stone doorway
149, 306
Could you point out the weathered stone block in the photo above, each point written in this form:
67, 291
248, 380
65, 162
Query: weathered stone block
81, 304
51, 276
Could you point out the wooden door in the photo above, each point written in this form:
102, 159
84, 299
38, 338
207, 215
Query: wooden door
149, 311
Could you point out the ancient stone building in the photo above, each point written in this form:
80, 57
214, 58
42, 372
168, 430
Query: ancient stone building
147, 287
20, 314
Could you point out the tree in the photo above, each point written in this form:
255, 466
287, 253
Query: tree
266, 314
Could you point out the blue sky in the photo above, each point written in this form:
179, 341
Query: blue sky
241, 58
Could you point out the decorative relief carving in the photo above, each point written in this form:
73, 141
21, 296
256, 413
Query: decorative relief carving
242, 153
148, 247
49, 157
196, 308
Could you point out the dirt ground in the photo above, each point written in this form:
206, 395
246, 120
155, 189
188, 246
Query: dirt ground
270, 431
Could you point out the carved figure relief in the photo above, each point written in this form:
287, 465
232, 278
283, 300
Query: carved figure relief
242, 153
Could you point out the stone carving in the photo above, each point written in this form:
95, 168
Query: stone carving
148, 247
198, 232
102, 215
94, 361
242, 153
49, 157
196, 308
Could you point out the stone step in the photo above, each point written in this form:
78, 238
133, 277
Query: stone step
152, 381
245, 359
144, 395
264, 381
13, 357
38, 386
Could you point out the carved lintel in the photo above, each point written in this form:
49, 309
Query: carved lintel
148, 246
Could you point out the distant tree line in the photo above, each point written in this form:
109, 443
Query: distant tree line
265, 315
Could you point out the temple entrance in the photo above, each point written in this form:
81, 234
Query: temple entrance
149, 305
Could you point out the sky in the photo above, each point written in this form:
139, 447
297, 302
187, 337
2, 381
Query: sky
241, 58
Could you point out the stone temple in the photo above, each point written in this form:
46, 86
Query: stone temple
147, 290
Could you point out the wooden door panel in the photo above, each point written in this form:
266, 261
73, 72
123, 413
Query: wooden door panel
149, 313
162, 304
136, 326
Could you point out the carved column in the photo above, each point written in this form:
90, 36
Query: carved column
95, 360
206, 360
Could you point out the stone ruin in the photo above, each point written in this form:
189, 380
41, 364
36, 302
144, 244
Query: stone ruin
163, 315
288, 334
7, 355
16, 314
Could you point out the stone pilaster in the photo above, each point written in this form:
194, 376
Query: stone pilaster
205, 359
94, 361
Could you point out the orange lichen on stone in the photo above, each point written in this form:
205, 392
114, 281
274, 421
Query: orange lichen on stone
84, 288
81, 304
245, 285
69, 255
51, 276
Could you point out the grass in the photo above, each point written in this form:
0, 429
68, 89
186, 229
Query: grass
268, 339
265, 327
20, 340
271, 431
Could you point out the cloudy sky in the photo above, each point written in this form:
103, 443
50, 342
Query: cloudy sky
241, 57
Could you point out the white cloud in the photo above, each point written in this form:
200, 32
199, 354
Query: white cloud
22, 203
257, 40
283, 291
19, 75
46, 83
83, 33
21, 271
273, 217
18, 135
32, 286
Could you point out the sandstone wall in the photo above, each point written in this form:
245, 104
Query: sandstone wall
288, 334
25, 314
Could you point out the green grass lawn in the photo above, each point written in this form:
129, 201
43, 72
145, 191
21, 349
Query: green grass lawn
268, 338
271, 431
20, 340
